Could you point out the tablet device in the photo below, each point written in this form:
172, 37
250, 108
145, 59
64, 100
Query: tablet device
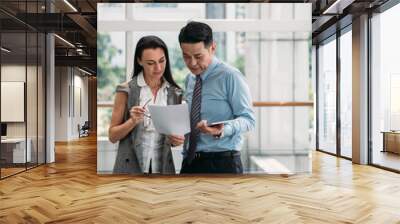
218, 122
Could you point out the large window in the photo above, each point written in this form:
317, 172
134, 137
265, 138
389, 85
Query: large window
327, 96
386, 88
346, 94
331, 136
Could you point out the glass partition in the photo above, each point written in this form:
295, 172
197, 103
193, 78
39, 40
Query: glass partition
22, 90
14, 153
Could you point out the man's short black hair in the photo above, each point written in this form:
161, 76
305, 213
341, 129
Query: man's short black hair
195, 32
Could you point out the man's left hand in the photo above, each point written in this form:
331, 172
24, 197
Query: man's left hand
215, 130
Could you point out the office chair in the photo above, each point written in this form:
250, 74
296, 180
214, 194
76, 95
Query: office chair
84, 130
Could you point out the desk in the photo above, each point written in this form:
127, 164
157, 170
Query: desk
13, 150
391, 141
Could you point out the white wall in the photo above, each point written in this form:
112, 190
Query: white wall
71, 87
80, 82
61, 103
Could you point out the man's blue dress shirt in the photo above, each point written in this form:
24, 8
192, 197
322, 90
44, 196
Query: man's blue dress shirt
225, 96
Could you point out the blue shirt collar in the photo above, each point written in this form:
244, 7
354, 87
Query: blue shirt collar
210, 68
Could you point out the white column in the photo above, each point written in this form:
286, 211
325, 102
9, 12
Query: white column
50, 100
231, 53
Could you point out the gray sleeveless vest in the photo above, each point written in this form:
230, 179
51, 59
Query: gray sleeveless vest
129, 157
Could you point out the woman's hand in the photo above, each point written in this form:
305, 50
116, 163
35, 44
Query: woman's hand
176, 140
137, 114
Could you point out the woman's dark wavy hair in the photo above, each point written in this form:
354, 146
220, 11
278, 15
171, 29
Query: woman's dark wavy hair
152, 42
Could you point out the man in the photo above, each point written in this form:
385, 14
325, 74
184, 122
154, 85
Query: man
215, 92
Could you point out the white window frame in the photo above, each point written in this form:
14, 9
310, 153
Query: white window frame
130, 25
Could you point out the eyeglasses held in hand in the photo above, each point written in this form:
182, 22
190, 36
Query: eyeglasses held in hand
144, 107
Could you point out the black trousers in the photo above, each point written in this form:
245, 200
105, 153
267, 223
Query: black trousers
214, 162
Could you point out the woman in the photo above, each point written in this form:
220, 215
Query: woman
141, 149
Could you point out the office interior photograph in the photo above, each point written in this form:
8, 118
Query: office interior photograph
327, 136
281, 140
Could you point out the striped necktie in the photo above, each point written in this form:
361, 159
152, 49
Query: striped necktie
194, 119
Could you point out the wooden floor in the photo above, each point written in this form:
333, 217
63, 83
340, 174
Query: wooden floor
70, 191
5, 172
10, 171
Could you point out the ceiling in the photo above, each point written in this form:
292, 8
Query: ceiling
78, 27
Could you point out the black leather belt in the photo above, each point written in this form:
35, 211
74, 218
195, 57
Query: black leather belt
209, 155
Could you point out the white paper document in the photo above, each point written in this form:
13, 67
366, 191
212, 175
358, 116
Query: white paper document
171, 119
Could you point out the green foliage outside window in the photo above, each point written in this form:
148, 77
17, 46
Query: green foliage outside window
108, 75
178, 67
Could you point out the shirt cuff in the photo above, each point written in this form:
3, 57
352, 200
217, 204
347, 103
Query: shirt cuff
228, 130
